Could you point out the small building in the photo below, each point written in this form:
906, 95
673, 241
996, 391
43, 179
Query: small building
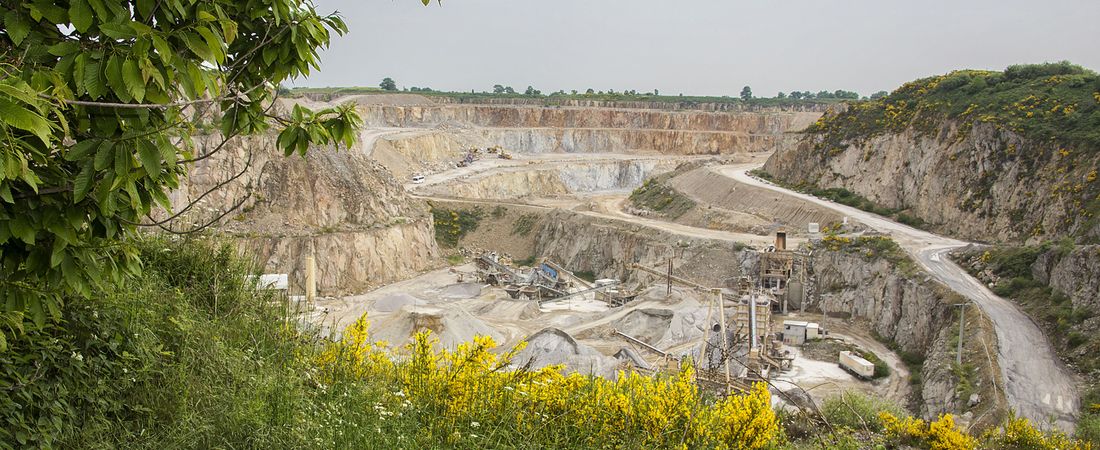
794, 332
797, 332
813, 331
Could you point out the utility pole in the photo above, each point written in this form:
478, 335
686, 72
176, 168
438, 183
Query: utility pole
962, 321
725, 344
311, 280
669, 293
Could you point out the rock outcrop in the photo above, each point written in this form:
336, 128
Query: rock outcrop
543, 129
1074, 272
912, 312
980, 182
339, 205
548, 181
608, 249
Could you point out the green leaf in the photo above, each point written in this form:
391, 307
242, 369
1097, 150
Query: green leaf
94, 81
18, 27
82, 149
24, 119
214, 43
123, 162
64, 48
103, 156
5, 193
150, 158
58, 253
80, 13
39, 315
83, 181
115, 79
78, 73
163, 49
197, 46
21, 229
116, 30
131, 75
145, 7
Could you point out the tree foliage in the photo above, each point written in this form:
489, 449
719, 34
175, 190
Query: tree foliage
388, 84
98, 101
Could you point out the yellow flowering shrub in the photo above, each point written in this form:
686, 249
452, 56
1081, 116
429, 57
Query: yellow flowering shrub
941, 434
1018, 433
472, 384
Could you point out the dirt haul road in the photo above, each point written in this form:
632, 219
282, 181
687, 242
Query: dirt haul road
608, 205
1037, 384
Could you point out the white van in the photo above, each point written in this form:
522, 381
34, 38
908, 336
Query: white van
418, 178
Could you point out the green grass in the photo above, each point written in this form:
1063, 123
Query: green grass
524, 224
858, 411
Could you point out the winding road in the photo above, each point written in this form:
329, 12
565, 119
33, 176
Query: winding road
1036, 383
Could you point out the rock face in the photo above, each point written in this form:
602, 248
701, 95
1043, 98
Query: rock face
539, 129
981, 183
1075, 272
580, 177
346, 209
899, 308
914, 313
584, 243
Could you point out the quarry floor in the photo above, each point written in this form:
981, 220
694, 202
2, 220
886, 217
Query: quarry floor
581, 335
455, 309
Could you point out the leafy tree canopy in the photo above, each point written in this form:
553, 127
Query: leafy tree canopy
388, 84
98, 100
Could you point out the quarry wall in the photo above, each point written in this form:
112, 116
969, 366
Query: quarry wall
981, 183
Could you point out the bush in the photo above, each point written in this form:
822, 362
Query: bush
188, 355
857, 411
1033, 71
452, 224
1018, 433
451, 394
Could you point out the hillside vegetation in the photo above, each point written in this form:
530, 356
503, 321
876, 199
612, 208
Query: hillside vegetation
996, 156
1053, 102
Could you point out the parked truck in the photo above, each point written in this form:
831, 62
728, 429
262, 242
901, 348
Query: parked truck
858, 366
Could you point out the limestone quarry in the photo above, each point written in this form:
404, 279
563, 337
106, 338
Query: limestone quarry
619, 236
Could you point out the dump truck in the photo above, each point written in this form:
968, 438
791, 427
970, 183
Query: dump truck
858, 366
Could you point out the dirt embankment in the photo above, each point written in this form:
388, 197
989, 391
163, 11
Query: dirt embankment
724, 204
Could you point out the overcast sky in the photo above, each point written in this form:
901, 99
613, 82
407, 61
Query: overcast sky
711, 47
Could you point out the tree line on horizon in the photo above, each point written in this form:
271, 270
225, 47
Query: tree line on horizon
388, 84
